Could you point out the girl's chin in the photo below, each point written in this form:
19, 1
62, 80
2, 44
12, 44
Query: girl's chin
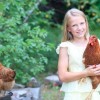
81, 35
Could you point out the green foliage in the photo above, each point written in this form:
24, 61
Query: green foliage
22, 37
29, 37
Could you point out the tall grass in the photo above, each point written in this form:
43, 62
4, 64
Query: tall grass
52, 93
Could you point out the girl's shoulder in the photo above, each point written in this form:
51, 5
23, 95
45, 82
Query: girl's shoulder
62, 44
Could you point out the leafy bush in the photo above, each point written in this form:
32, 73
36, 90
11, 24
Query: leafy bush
30, 32
22, 38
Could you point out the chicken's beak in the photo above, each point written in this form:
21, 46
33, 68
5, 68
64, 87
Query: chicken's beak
90, 41
91, 44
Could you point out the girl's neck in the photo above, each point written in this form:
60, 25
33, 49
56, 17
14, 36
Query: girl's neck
80, 42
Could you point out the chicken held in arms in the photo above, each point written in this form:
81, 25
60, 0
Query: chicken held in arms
91, 56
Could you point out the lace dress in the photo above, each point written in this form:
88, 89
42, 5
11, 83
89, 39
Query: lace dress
75, 90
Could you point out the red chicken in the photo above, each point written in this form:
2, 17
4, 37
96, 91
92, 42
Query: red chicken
91, 56
7, 78
6, 74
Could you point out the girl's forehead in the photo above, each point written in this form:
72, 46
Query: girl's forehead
75, 19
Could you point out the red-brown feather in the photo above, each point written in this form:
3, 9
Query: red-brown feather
92, 57
7, 78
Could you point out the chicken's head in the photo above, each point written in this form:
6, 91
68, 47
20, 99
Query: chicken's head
7, 74
93, 40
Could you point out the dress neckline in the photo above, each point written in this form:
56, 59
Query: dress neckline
83, 47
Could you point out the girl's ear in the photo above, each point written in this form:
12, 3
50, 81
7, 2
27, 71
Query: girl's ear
68, 28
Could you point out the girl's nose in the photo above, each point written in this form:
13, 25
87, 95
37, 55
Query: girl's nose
79, 27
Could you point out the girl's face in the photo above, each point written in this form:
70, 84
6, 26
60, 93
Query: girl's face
77, 26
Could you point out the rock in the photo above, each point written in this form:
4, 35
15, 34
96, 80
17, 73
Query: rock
53, 79
33, 83
18, 86
7, 96
26, 94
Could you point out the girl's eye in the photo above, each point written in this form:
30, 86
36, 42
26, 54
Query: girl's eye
82, 23
74, 25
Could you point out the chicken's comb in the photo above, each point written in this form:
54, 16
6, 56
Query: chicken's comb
92, 36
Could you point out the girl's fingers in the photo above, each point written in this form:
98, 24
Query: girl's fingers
97, 72
92, 66
98, 65
93, 70
97, 69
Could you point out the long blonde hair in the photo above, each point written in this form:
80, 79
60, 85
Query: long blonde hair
72, 12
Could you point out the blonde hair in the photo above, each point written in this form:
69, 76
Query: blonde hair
72, 12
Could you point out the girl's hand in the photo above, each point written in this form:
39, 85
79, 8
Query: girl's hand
97, 69
93, 70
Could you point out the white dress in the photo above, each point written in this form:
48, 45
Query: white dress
75, 90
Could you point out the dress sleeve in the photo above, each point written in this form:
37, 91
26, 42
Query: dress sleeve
99, 41
63, 44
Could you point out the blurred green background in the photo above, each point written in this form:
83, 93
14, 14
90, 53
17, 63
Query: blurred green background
30, 31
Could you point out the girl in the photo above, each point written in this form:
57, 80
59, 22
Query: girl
70, 66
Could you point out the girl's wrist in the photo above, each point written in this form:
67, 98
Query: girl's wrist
85, 72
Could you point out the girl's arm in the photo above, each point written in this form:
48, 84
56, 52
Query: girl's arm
63, 73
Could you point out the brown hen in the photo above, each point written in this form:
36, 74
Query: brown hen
7, 78
91, 56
